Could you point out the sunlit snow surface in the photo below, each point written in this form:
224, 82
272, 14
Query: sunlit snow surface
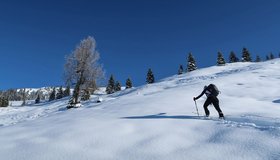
156, 122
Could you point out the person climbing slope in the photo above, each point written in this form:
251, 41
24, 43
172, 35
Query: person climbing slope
211, 91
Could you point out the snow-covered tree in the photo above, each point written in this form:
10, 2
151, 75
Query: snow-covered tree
232, 57
128, 83
150, 76
52, 95
118, 86
220, 60
191, 63
71, 103
180, 70
60, 93
82, 67
246, 57
111, 85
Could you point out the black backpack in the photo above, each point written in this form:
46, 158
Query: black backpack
213, 89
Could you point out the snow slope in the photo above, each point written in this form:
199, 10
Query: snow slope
156, 121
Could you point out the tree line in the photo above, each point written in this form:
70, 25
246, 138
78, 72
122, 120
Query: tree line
246, 57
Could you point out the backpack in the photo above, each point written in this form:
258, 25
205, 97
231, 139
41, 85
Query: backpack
213, 89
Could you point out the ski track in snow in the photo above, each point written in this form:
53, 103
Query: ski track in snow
271, 125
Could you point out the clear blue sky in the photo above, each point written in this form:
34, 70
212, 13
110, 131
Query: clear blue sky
131, 35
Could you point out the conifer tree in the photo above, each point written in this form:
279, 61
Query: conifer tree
150, 77
267, 57
258, 59
4, 101
60, 93
279, 55
246, 57
66, 92
128, 84
191, 63
232, 57
85, 95
23, 97
181, 70
52, 95
111, 85
271, 55
71, 103
38, 99
220, 60
118, 86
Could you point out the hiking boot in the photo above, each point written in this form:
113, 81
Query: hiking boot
221, 115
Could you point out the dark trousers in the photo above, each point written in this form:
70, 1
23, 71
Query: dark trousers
215, 102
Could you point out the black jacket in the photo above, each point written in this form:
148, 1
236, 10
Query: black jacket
207, 91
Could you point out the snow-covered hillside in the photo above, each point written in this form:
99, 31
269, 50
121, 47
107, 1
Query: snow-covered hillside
156, 121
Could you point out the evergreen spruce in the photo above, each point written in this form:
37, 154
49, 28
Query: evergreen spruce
4, 101
60, 93
258, 59
267, 57
128, 83
118, 86
246, 57
232, 57
181, 70
150, 77
23, 97
71, 103
38, 99
279, 55
271, 56
191, 63
66, 92
52, 95
111, 85
220, 60
85, 95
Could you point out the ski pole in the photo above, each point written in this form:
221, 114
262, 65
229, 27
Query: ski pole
196, 108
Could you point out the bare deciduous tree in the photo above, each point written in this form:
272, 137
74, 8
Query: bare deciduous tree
82, 68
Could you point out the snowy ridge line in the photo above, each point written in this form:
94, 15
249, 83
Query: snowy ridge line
223, 73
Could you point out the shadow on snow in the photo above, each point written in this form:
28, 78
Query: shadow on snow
272, 125
162, 116
276, 101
